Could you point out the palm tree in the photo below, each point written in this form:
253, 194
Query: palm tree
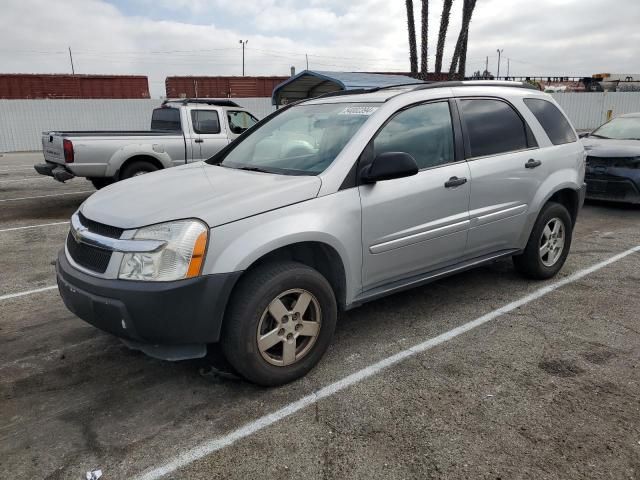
425, 38
460, 53
462, 61
444, 25
413, 51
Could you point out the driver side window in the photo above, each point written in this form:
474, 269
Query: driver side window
240, 121
423, 131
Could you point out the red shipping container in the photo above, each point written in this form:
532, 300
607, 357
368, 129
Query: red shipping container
33, 86
221, 87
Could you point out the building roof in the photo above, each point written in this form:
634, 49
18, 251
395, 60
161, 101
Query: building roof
311, 83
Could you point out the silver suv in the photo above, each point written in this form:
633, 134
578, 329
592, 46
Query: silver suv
320, 207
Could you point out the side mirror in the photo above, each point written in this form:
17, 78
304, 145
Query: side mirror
388, 166
583, 135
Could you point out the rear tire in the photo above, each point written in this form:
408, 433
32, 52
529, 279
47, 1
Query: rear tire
280, 321
548, 244
139, 167
101, 182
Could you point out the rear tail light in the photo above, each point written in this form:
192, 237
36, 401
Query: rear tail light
67, 146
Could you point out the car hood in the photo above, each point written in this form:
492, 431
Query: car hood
602, 147
212, 193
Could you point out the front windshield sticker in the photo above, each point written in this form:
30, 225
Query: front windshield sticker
358, 111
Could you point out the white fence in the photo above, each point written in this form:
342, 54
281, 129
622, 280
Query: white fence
22, 121
589, 110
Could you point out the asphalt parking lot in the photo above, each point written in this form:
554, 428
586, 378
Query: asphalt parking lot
546, 388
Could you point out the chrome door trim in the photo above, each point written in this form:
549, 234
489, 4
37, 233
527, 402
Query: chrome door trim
429, 234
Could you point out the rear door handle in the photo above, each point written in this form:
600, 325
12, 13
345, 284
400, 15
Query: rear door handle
455, 182
532, 163
198, 140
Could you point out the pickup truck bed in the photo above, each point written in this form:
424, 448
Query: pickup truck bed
115, 133
181, 131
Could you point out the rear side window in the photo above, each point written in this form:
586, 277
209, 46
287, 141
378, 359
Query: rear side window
205, 121
166, 119
493, 127
552, 120
425, 132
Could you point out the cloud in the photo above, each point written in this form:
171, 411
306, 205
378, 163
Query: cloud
200, 37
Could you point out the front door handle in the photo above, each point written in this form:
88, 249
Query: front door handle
455, 182
198, 140
532, 163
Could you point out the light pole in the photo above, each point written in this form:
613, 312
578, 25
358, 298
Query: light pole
500, 50
243, 42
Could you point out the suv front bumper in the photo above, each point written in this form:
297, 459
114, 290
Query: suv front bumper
149, 314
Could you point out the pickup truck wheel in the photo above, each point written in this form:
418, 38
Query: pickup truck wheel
99, 183
279, 323
548, 245
139, 167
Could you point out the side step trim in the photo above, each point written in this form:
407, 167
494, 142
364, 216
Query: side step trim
428, 277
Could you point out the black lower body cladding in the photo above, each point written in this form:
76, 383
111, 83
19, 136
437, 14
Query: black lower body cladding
187, 311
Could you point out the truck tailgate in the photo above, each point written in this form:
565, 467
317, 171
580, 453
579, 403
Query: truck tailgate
52, 147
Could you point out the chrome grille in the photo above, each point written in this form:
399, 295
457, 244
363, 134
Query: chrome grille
89, 257
100, 228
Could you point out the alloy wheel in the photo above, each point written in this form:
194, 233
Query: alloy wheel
289, 327
552, 242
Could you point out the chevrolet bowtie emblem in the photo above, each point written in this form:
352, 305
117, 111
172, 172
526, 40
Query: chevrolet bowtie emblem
77, 233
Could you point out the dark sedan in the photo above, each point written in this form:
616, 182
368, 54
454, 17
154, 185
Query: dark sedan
613, 160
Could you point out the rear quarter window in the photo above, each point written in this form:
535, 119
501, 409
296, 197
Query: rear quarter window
552, 120
493, 127
165, 118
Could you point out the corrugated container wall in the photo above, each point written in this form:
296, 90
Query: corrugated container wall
221, 87
33, 86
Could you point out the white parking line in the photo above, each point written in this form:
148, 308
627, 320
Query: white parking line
13, 229
33, 177
11, 168
43, 196
215, 444
27, 292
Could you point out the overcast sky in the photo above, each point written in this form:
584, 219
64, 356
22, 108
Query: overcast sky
200, 37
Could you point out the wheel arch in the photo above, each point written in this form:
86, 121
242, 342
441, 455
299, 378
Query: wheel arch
315, 254
569, 198
139, 158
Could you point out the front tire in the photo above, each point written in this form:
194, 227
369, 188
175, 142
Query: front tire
548, 244
279, 323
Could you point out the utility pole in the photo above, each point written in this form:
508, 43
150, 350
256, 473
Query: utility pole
307, 57
508, 66
486, 67
243, 42
73, 71
500, 50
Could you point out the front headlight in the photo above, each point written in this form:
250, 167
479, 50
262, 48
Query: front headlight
182, 255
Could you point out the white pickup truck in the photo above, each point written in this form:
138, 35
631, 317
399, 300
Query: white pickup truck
182, 131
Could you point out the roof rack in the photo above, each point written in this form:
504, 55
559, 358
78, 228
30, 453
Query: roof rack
205, 101
475, 83
431, 84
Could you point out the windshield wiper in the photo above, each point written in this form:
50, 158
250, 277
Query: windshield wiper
253, 169
599, 136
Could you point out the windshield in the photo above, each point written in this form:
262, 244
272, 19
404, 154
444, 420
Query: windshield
304, 140
621, 128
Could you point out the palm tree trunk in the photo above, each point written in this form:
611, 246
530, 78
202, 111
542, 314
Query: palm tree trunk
425, 39
442, 34
457, 62
413, 50
462, 60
